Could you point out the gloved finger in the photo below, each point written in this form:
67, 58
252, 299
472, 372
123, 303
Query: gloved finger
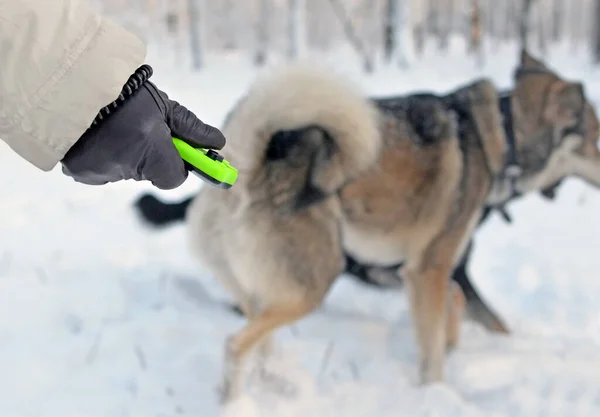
186, 126
77, 164
163, 166
87, 178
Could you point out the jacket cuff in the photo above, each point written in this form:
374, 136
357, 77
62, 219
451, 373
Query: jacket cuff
92, 80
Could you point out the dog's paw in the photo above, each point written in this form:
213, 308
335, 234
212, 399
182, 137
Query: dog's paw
222, 393
430, 373
226, 393
271, 381
498, 327
456, 308
279, 385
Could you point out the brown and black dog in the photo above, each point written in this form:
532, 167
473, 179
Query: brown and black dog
552, 154
326, 173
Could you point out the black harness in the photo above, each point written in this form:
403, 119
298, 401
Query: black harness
512, 170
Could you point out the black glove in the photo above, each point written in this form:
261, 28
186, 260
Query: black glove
134, 142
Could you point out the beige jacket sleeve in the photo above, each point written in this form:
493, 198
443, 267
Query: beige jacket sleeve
60, 63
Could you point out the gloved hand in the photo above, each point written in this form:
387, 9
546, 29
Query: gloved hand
134, 142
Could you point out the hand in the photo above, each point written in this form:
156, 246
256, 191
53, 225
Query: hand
134, 142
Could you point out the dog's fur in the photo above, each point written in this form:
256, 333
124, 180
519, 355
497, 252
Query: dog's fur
553, 155
326, 173
161, 213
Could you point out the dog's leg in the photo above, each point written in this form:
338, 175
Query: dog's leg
428, 294
477, 309
242, 304
250, 311
259, 327
456, 307
245, 307
428, 278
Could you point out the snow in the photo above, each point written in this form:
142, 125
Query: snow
101, 316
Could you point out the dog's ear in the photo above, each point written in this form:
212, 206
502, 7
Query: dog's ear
565, 103
527, 61
528, 64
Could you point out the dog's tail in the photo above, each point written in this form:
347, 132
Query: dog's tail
301, 129
158, 213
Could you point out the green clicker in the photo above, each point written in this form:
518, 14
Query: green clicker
207, 164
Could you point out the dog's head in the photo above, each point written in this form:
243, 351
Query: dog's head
556, 130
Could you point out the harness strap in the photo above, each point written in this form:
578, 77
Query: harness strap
512, 170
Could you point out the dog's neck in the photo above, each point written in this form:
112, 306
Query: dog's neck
505, 186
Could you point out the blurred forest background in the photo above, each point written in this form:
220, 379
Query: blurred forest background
380, 32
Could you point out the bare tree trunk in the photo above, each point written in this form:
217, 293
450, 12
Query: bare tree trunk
492, 14
576, 23
229, 36
262, 30
447, 15
353, 38
194, 7
392, 36
475, 44
401, 21
419, 28
152, 20
173, 26
524, 24
509, 20
541, 30
596, 33
390, 29
488, 17
557, 19
293, 28
433, 19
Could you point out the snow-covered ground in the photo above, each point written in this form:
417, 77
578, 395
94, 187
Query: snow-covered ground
101, 317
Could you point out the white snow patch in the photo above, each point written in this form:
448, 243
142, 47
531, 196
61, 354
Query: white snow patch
102, 317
